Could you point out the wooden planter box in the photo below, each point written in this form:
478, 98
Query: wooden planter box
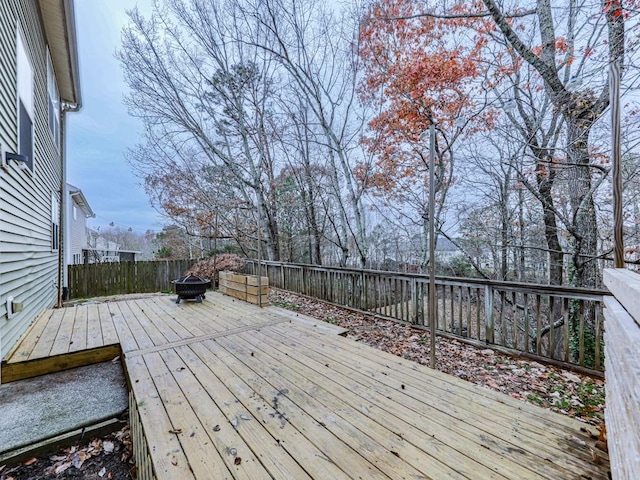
245, 287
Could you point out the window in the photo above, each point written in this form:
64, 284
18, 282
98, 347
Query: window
25, 103
75, 212
54, 102
55, 226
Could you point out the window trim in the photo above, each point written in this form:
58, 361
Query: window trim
55, 225
53, 102
25, 95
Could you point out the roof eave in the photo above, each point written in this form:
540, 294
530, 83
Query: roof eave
58, 18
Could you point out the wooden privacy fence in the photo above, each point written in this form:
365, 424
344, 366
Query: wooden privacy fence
99, 279
560, 325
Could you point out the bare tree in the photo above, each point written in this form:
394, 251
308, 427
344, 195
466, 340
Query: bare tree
317, 51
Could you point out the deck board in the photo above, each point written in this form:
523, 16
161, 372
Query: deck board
23, 348
62, 340
227, 390
45, 341
520, 435
80, 329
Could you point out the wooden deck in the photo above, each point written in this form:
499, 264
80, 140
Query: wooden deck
226, 390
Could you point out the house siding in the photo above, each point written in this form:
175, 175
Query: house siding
78, 232
28, 266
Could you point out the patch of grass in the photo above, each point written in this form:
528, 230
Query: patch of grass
332, 320
537, 399
592, 396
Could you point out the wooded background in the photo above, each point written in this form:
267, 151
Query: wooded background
298, 126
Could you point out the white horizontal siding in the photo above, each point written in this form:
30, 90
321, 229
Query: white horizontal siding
28, 267
78, 232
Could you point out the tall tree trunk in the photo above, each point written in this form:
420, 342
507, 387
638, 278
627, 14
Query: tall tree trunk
556, 260
584, 265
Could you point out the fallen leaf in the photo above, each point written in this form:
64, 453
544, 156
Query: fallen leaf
108, 446
30, 461
216, 428
79, 458
578, 441
177, 431
61, 468
237, 461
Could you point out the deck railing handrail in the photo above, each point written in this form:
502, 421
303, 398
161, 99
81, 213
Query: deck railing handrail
578, 292
557, 324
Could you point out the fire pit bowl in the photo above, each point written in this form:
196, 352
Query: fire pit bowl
191, 287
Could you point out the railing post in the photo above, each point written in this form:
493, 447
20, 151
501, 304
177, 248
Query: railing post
304, 282
282, 276
488, 314
414, 300
365, 291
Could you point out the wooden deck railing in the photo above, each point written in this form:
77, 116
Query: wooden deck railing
559, 325
623, 372
98, 279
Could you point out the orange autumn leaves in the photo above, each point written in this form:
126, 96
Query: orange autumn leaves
417, 69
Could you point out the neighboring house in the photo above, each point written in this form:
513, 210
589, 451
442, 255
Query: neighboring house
446, 250
39, 84
76, 233
102, 250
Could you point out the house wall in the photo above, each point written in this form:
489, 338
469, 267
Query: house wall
28, 266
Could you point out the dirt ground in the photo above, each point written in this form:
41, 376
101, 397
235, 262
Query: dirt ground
101, 458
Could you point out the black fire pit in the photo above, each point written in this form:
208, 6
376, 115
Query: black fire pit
191, 287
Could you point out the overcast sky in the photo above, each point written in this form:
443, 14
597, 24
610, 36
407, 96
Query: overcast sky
99, 135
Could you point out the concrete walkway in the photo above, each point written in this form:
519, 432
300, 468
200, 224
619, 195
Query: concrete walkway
39, 412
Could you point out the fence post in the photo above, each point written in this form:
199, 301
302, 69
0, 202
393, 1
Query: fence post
488, 314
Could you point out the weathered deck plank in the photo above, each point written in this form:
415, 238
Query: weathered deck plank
467, 412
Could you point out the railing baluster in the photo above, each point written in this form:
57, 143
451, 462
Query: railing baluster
503, 330
598, 334
538, 326
581, 335
514, 321
552, 334
460, 304
525, 319
565, 315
